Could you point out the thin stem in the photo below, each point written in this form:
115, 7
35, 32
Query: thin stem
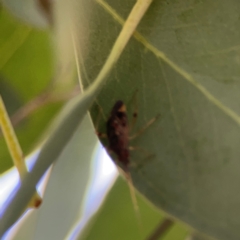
41, 100
15, 149
161, 229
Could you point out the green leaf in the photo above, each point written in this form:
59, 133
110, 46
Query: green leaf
64, 196
117, 219
184, 62
71, 175
199, 236
62, 131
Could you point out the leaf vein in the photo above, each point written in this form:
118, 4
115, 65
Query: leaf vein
159, 54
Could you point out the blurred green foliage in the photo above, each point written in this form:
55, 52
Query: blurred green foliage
117, 219
26, 69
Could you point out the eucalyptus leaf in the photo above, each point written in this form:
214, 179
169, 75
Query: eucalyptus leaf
184, 61
65, 193
70, 177
199, 236
62, 131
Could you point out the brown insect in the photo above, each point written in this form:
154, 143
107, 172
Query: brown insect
118, 129
118, 134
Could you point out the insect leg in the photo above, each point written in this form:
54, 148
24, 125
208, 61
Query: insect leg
133, 197
141, 130
140, 149
148, 155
